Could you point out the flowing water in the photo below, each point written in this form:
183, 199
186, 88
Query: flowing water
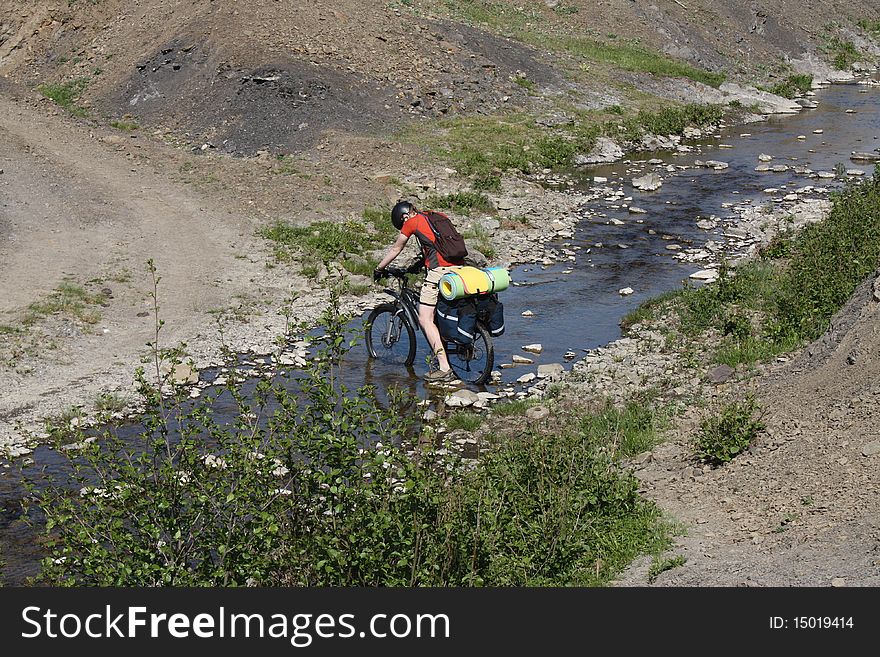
576, 304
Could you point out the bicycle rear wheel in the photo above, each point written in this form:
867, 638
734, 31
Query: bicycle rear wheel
473, 363
390, 337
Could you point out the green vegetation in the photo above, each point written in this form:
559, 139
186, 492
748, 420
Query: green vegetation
631, 57
724, 436
125, 126
65, 95
464, 421
327, 241
659, 566
871, 27
287, 494
843, 53
108, 402
512, 408
483, 147
462, 202
68, 299
792, 86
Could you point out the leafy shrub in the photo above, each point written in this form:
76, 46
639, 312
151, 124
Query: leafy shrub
314, 488
729, 433
792, 86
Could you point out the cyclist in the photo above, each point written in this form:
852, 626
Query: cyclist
410, 221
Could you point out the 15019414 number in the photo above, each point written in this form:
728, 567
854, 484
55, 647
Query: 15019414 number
822, 622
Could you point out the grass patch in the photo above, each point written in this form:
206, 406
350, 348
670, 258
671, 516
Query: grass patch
109, 402
729, 433
513, 407
327, 241
464, 421
629, 430
65, 95
68, 299
648, 310
793, 85
483, 148
659, 566
462, 202
631, 57
124, 126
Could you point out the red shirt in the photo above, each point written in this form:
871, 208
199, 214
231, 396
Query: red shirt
419, 226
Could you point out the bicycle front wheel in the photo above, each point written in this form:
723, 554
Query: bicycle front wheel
473, 362
390, 337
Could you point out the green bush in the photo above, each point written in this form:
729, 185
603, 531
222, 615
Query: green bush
729, 433
312, 489
829, 259
793, 86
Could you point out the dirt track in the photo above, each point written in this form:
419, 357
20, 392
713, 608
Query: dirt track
76, 209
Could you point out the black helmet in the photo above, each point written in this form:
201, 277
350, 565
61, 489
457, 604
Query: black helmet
399, 211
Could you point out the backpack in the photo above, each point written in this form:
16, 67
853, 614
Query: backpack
447, 240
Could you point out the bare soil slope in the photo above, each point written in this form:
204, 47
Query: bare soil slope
802, 506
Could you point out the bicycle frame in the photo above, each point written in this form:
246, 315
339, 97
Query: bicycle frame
405, 303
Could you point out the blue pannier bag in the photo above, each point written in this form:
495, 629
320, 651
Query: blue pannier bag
457, 320
490, 311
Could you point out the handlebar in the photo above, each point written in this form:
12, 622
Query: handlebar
400, 272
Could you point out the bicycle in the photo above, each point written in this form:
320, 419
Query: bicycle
391, 333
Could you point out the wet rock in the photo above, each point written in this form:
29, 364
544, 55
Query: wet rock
522, 360
762, 168
720, 374
647, 182
569, 355
625, 291
636, 210
527, 313
527, 378
763, 157
855, 172
856, 156
533, 348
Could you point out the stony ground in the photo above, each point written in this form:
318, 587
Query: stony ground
325, 88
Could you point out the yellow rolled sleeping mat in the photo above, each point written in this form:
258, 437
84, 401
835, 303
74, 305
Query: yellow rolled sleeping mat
468, 281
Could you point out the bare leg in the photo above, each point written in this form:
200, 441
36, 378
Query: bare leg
426, 320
